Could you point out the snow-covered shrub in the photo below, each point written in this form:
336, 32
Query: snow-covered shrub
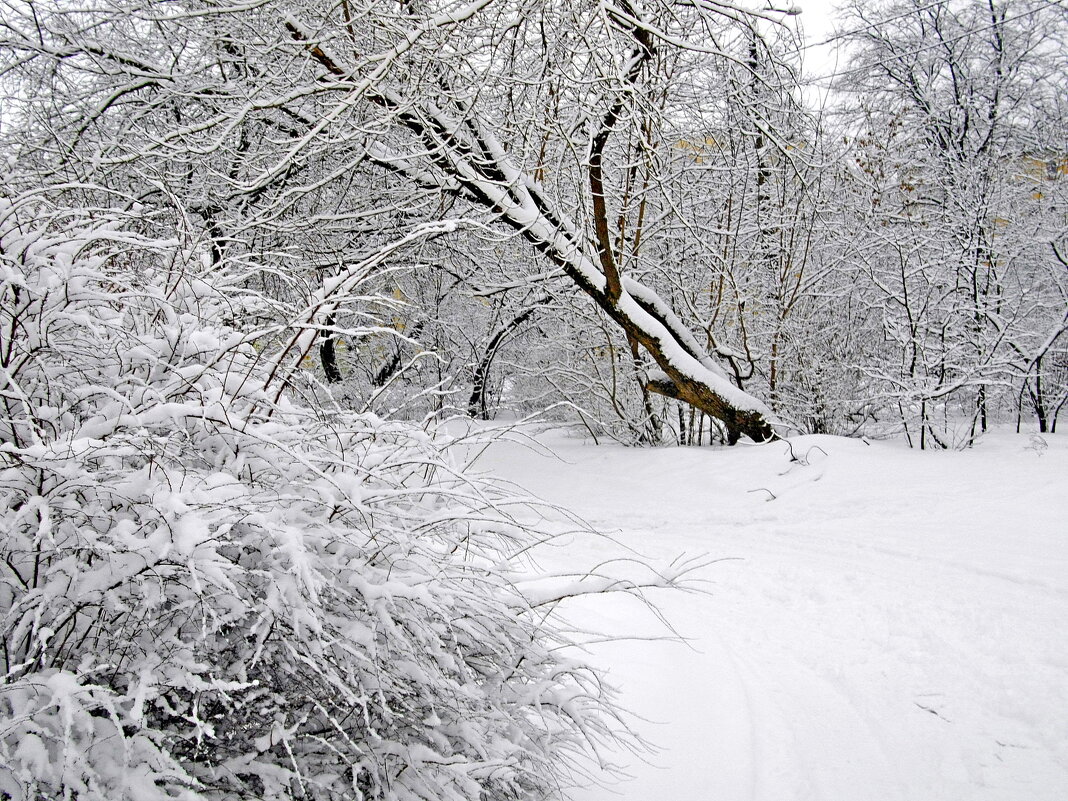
210, 592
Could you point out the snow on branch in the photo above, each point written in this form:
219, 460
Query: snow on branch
208, 591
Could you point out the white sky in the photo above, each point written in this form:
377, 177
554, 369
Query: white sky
820, 60
816, 19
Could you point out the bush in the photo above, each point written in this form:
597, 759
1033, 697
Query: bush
209, 591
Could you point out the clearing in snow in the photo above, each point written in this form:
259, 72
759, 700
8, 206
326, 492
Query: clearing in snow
878, 623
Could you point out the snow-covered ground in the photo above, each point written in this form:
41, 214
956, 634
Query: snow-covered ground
882, 624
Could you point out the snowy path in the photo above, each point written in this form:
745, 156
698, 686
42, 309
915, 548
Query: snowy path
893, 626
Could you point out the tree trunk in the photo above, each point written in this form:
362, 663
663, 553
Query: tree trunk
476, 404
328, 356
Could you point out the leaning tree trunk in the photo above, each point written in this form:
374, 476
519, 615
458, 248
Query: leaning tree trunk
461, 154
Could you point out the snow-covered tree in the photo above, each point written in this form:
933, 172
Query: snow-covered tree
951, 218
263, 120
210, 591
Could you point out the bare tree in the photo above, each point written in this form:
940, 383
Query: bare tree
948, 95
260, 119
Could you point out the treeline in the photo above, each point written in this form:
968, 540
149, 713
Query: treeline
627, 214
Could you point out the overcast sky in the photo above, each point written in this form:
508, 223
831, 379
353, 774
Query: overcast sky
820, 60
816, 19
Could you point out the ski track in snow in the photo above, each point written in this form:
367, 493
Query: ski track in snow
880, 624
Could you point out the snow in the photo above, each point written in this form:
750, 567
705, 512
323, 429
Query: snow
876, 623
644, 295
